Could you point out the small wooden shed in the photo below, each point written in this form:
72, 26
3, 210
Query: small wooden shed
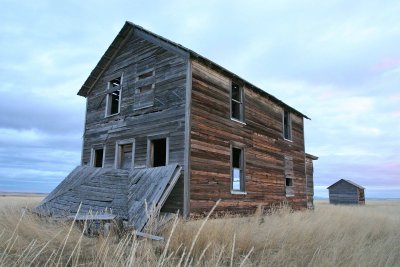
346, 192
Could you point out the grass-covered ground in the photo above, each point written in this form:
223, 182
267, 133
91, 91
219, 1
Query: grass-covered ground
328, 236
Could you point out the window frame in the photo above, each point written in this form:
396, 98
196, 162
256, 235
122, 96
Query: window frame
148, 83
241, 103
93, 150
109, 91
288, 174
118, 152
289, 125
242, 148
150, 149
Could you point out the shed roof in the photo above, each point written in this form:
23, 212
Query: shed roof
311, 156
129, 27
348, 181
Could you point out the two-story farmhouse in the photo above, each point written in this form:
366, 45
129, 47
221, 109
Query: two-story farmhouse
162, 118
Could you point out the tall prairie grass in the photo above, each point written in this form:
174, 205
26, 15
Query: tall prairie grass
328, 236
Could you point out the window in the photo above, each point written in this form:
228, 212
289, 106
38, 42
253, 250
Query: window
289, 181
237, 169
158, 152
289, 174
97, 157
237, 112
124, 154
113, 97
287, 125
144, 92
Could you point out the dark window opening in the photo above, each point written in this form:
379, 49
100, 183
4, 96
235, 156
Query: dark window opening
98, 158
159, 152
237, 169
237, 102
114, 102
287, 125
289, 181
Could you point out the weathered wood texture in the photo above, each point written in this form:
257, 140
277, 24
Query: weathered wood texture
98, 189
166, 115
344, 192
212, 132
132, 196
310, 182
148, 189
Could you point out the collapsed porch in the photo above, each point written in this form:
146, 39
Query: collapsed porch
133, 195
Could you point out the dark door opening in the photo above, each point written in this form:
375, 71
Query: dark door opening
159, 152
98, 158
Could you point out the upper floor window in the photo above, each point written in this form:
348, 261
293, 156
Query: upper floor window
144, 89
237, 105
113, 97
287, 125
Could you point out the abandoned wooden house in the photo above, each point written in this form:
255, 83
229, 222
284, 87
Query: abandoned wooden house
167, 128
346, 192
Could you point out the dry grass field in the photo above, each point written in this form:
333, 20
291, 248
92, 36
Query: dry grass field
328, 236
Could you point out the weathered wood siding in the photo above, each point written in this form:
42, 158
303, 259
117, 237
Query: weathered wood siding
212, 132
166, 117
310, 182
95, 189
343, 193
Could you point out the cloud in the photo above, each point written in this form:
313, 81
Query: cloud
337, 62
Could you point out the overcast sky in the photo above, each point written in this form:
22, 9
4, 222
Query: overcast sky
336, 61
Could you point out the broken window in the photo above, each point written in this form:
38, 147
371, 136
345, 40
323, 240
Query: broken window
114, 97
287, 125
237, 172
98, 158
237, 102
158, 152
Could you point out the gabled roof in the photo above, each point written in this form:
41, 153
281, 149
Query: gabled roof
129, 28
348, 181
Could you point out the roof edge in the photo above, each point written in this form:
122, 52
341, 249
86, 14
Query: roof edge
311, 156
347, 181
120, 40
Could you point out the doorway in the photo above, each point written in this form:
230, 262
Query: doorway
158, 152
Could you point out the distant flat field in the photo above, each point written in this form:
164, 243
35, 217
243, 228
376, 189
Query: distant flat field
22, 194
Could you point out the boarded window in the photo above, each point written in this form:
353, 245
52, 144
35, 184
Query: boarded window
158, 152
144, 90
287, 125
289, 175
126, 156
98, 158
113, 97
237, 172
237, 107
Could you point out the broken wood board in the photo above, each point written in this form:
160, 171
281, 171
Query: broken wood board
148, 190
